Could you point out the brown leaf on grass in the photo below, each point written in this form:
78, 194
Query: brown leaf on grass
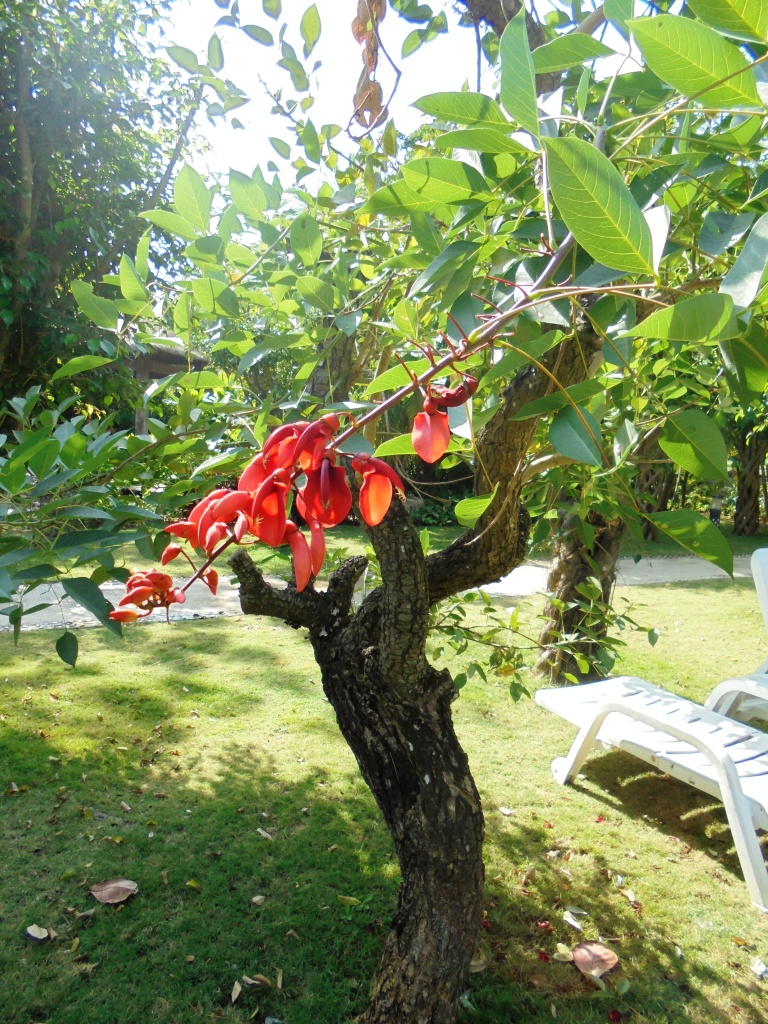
37, 934
257, 979
594, 959
117, 890
85, 913
237, 988
259, 900
189, 959
539, 981
279, 979
124, 806
264, 834
292, 933
164, 876
477, 964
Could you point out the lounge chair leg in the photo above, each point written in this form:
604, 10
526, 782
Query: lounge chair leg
742, 828
567, 768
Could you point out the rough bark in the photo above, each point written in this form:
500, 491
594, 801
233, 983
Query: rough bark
565, 614
751, 448
393, 708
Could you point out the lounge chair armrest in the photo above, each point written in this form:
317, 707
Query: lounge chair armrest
726, 696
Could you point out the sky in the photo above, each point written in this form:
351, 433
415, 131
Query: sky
442, 65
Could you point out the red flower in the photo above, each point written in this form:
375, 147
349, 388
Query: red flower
544, 956
431, 433
211, 579
302, 560
326, 494
376, 489
171, 551
147, 591
313, 438
268, 511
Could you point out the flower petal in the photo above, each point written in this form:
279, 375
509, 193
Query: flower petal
431, 435
375, 497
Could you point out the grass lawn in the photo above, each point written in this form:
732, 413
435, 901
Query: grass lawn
201, 761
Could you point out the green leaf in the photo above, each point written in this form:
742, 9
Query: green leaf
511, 362
396, 200
426, 233
482, 140
744, 19
719, 231
750, 271
215, 297
272, 8
693, 442
66, 648
403, 445
463, 108
700, 319
444, 181
306, 240
691, 57
192, 198
580, 392
184, 58
518, 82
215, 53
406, 318
281, 147
597, 206
202, 379
469, 510
567, 52
396, 377
310, 29
171, 223
576, 435
80, 364
247, 196
696, 534
87, 595
103, 312
443, 267
746, 362
131, 285
619, 12
261, 35
316, 292
311, 143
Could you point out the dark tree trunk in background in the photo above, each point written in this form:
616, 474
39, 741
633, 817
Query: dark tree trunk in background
567, 613
654, 486
751, 448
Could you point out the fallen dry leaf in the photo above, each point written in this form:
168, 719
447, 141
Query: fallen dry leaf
757, 967
52, 934
259, 900
739, 942
594, 959
506, 811
237, 988
539, 981
279, 979
292, 933
75, 944
124, 806
193, 883
36, 933
117, 890
264, 834
477, 965
85, 913
189, 959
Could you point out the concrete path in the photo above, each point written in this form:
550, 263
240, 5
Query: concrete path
527, 579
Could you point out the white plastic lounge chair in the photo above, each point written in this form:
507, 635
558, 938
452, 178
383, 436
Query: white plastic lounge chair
721, 757
698, 745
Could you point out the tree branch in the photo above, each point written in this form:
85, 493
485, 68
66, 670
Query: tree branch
257, 597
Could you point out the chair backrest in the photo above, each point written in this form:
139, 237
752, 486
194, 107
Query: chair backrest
760, 576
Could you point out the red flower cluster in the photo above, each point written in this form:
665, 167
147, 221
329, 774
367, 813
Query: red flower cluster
431, 432
147, 591
296, 458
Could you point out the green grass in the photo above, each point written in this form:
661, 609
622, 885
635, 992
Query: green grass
211, 730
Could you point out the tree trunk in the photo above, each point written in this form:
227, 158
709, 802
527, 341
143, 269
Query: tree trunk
393, 706
751, 448
568, 613
654, 486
